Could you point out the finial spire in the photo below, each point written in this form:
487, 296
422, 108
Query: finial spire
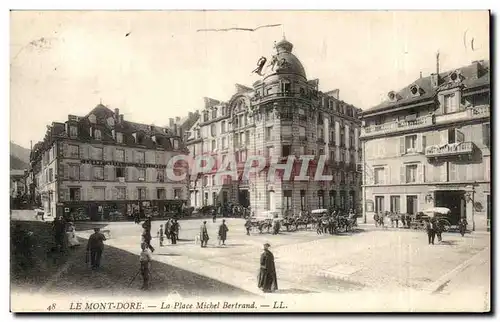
100, 101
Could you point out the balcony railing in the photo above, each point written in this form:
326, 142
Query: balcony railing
449, 149
397, 126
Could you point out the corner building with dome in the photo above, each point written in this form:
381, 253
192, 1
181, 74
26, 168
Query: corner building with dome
283, 114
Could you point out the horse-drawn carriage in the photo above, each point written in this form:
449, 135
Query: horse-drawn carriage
440, 214
265, 221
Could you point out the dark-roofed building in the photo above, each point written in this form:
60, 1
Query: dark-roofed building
428, 145
91, 166
282, 114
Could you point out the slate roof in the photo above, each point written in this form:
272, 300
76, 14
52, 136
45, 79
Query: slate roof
472, 79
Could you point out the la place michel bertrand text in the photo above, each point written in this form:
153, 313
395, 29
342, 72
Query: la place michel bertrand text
216, 305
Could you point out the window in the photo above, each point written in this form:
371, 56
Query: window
161, 194
269, 151
379, 204
74, 194
246, 119
141, 174
247, 137
451, 136
342, 177
411, 173
51, 175
378, 175
96, 153
224, 145
321, 199
120, 172
241, 121
98, 173
286, 87
205, 116
160, 175
214, 113
321, 151
333, 196
97, 134
119, 137
332, 155
214, 198
236, 140
321, 134
395, 204
120, 155
486, 135
121, 193
99, 194
73, 131
223, 127
411, 143
342, 138
287, 199
141, 193
139, 156
213, 130
450, 103
302, 132
74, 172
269, 131
286, 150
351, 138
214, 145
302, 199
269, 114
74, 151
242, 138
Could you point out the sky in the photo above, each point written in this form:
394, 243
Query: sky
67, 62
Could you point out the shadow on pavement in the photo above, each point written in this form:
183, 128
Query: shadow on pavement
447, 242
118, 268
293, 291
82, 226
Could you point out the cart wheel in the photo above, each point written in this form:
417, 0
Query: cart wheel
446, 225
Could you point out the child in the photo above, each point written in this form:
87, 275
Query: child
145, 259
160, 235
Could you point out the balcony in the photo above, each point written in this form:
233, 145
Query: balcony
396, 126
463, 148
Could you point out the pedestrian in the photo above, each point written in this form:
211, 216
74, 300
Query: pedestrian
160, 235
319, 228
95, 246
168, 224
376, 219
214, 215
204, 235
146, 238
403, 220
462, 226
248, 225
173, 232
145, 259
71, 236
267, 280
439, 229
223, 232
59, 229
430, 231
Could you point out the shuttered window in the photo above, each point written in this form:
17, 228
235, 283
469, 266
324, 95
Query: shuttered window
486, 135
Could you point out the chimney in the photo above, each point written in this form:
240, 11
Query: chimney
190, 115
171, 122
478, 64
435, 76
120, 120
420, 74
117, 113
177, 119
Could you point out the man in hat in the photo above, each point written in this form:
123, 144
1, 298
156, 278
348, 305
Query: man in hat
145, 259
267, 280
204, 234
223, 232
96, 246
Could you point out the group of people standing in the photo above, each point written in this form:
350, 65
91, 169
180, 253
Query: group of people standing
221, 236
170, 231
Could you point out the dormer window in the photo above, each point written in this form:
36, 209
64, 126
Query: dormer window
175, 144
214, 113
205, 116
97, 134
73, 131
456, 76
415, 90
119, 137
393, 96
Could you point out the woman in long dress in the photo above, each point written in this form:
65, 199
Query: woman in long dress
70, 233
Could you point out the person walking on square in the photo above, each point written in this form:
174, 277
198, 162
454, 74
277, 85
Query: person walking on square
174, 232
248, 225
160, 235
430, 231
462, 226
204, 235
223, 232
145, 259
267, 279
146, 238
438, 228
96, 247
168, 224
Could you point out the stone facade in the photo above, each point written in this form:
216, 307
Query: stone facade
283, 114
429, 145
99, 163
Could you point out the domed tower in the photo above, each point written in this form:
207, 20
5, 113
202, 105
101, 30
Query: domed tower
283, 105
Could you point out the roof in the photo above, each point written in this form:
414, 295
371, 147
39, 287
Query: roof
285, 61
475, 75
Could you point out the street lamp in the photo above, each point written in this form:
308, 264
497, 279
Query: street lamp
470, 198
